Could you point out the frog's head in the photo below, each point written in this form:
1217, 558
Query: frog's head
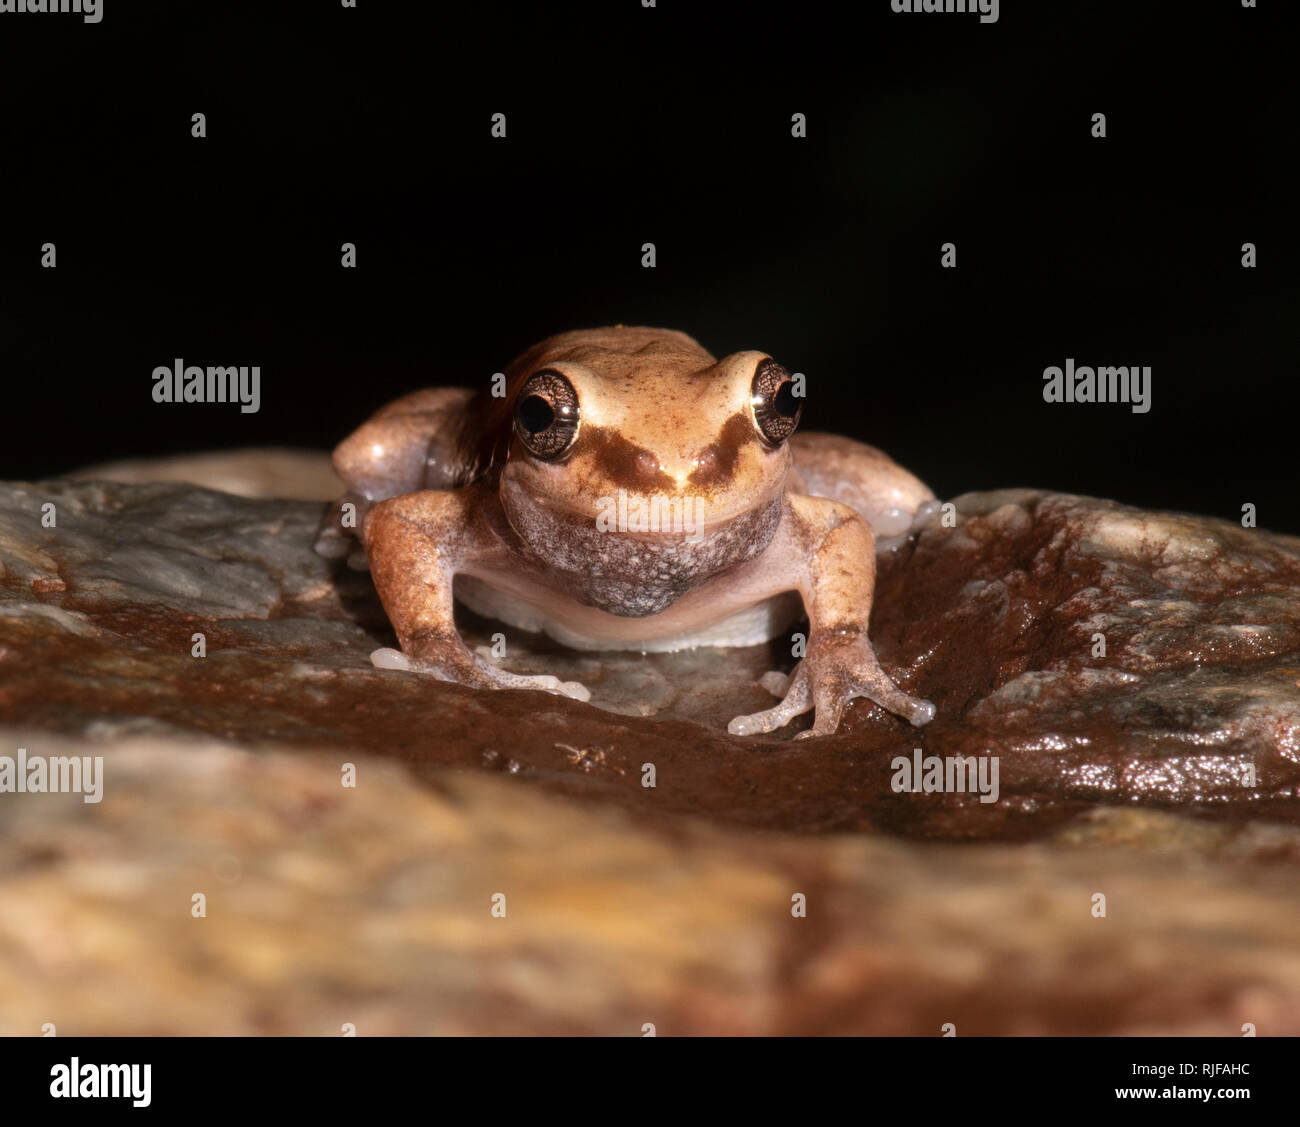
641, 436
647, 419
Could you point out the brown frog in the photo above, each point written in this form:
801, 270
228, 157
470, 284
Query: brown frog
625, 490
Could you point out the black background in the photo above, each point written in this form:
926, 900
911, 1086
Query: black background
669, 125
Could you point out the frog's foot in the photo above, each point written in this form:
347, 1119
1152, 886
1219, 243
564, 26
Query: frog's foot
334, 545
837, 669
332, 540
895, 527
450, 662
923, 514
336, 540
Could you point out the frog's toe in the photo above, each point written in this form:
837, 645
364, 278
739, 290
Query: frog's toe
331, 543
446, 665
797, 701
752, 725
922, 712
896, 527
882, 691
388, 658
500, 678
431, 664
775, 682
925, 512
544, 681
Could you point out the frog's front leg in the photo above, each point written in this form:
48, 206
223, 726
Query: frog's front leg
416, 543
836, 577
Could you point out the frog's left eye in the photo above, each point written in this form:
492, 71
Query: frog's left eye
546, 415
776, 407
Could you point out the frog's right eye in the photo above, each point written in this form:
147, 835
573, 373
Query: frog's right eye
775, 405
546, 415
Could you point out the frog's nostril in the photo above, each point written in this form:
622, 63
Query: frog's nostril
647, 465
706, 461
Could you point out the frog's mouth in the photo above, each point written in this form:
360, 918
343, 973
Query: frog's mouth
656, 518
633, 572
654, 515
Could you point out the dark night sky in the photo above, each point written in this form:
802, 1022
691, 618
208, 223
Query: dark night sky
669, 125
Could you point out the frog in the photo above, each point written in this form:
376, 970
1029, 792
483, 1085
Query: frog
620, 488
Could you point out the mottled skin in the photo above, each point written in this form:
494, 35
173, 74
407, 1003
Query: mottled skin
659, 418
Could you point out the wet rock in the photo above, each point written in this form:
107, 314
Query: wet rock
1194, 705
1190, 712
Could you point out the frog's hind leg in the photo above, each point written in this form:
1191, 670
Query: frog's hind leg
892, 501
411, 444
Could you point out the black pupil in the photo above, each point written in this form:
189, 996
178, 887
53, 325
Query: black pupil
536, 414
784, 402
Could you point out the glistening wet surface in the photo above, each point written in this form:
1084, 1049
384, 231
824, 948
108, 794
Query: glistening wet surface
1104, 655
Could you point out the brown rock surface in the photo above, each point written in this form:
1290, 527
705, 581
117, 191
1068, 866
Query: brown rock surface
1163, 775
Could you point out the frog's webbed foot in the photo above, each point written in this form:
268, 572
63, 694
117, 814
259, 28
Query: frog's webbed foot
449, 660
836, 669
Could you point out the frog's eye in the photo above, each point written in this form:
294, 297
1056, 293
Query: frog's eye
546, 415
772, 399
